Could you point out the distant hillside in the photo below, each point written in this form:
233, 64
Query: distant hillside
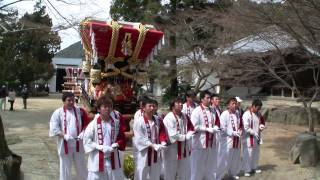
73, 51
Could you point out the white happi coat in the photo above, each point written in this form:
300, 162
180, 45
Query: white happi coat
142, 143
57, 127
188, 109
174, 166
203, 159
197, 119
229, 159
136, 116
217, 110
91, 141
251, 147
250, 122
227, 128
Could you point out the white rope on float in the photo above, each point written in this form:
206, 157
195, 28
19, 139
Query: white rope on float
90, 31
132, 67
155, 51
110, 66
94, 49
159, 45
162, 41
146, 64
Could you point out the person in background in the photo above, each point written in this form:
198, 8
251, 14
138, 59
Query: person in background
239, 110
3, 95
47, 89
157, 114
25, 95
190, 103
215, 104
12, 97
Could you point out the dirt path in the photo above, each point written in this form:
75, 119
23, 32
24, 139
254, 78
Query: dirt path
27, 133
274, 155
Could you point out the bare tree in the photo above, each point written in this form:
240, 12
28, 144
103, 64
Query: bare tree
198, 32
298, 22
7, 12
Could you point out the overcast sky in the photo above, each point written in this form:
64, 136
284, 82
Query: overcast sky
75, 10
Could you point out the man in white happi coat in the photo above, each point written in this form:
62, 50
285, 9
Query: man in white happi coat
177, 154
231, 125
67, 124
103, 138
239, 110
190, 104
215, 104
204, 147
139, 113
156, 113
159, 117
150, 139
254, 124
221, 140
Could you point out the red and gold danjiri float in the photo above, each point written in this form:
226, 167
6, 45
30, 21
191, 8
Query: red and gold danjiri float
117, 55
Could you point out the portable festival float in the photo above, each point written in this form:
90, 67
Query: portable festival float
117, 55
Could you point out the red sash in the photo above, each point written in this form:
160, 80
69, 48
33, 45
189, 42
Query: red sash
217, 122
150, 149
100, 141
97, 93
188, 110
65, 143
235, 139
251, 126
207, 125
118, 116
261, 121
189, 128
217, 109
179, 143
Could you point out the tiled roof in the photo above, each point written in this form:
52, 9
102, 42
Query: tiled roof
73, 51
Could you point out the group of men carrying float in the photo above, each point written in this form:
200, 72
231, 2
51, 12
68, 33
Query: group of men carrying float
191, 142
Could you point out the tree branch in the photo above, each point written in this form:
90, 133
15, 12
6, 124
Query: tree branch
14, 2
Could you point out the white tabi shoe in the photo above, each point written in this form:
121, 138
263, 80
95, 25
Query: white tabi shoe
247, 174
257, 171
236, 177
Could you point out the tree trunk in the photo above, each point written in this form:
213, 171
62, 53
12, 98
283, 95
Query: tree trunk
4, 150
310, 120
9, 162
173, 68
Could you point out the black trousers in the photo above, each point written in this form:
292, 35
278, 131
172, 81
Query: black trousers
11, 105
24, 103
